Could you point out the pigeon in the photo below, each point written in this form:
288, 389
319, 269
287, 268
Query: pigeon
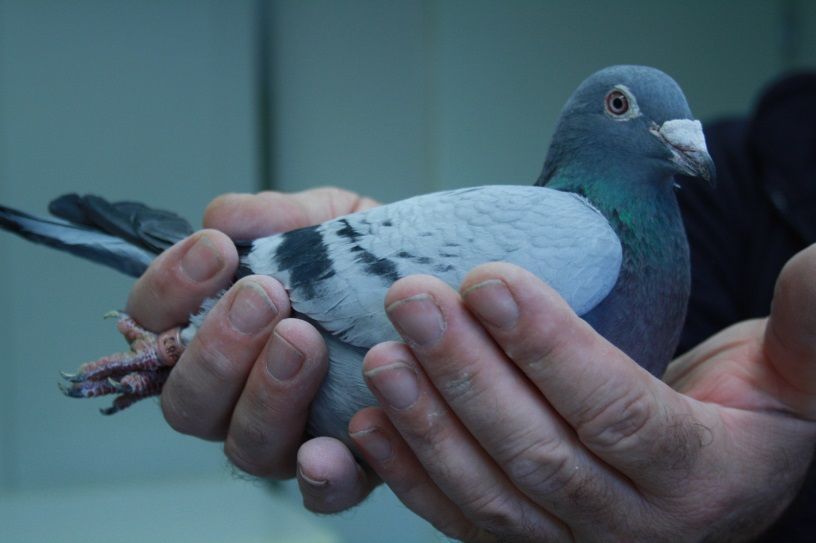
601, 226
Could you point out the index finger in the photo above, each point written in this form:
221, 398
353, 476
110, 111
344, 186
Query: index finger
628, 418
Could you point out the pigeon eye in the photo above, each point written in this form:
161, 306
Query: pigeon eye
617, 103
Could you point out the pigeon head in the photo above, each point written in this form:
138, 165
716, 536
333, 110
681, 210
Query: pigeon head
632, 122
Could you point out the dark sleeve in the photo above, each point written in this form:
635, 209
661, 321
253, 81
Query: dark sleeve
740, 236
715, 219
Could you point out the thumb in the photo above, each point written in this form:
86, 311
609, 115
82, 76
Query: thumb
790, 337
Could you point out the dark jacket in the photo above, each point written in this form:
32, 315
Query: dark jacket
762, 212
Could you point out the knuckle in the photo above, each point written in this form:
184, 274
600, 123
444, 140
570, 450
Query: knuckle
341, 201
425, 433
543, 467
363, 203
461, 385
212, 361
430, 430
547, 467
634, 420
617, 423
335, 194
224, 213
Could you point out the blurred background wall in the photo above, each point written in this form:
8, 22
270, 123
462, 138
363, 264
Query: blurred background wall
173, 102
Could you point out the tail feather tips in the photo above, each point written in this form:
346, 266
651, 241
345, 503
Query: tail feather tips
126, 236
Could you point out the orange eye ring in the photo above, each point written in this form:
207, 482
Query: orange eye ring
616, 103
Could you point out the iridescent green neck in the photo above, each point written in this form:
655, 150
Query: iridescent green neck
649, 297
638, 208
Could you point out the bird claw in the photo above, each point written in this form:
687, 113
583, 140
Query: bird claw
86, 389
134, 375
72, 377
118, 386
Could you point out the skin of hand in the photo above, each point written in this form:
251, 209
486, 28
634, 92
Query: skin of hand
250, 374
505, 417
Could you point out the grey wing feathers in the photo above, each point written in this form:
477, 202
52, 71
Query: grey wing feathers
558, 236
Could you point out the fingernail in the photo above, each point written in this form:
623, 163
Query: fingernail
251, 309
418, 319
396, 383
374, 443
316, 483
284, 360
492, 301
201, 261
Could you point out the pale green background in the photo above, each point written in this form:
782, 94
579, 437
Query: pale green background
162, 101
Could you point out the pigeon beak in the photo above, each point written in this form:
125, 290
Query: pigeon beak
685, 141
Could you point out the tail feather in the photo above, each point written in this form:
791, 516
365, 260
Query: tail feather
153, 229
126, 236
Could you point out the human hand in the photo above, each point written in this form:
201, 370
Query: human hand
509, 418
250, 373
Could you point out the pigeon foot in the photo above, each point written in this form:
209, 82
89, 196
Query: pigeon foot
133, 375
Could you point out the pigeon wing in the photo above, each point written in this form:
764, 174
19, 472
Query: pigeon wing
337, 273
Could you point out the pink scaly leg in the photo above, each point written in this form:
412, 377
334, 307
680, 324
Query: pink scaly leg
134, 375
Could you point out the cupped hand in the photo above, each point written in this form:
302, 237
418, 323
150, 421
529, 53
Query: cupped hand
250, 373
506, 417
